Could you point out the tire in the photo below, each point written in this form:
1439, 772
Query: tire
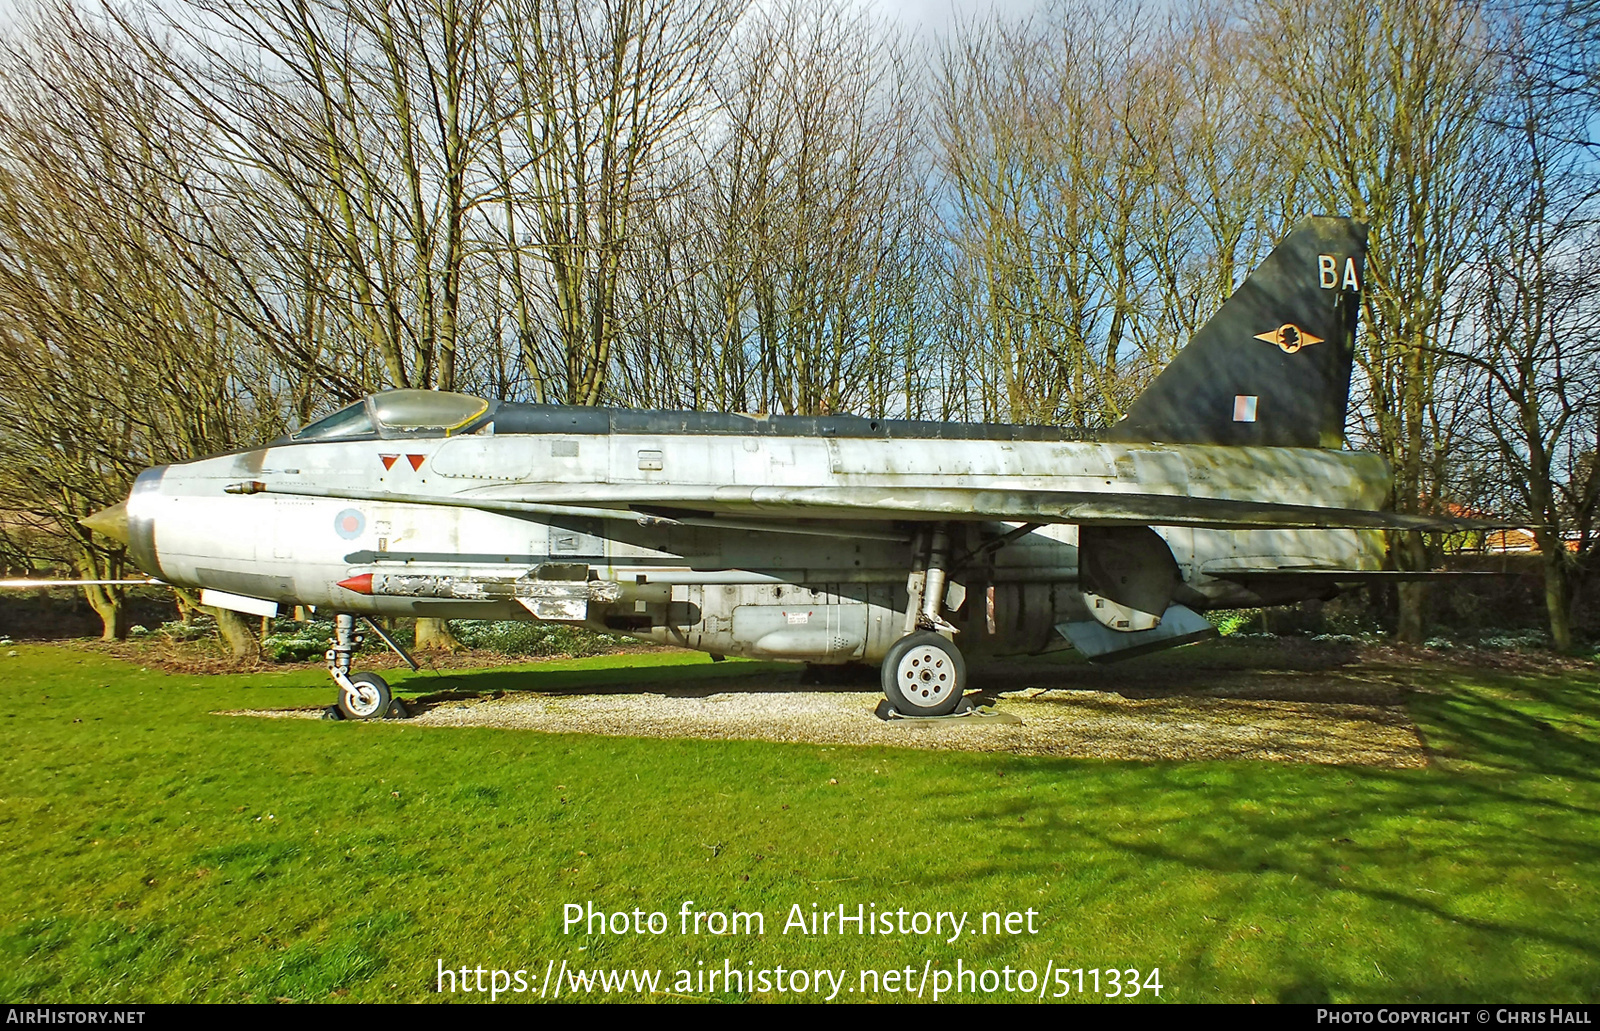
924, 675
375, 698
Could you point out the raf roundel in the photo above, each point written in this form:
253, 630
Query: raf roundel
349, 524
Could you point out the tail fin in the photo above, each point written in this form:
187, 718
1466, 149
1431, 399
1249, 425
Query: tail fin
1272, 367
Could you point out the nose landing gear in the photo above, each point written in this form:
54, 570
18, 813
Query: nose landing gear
362, 696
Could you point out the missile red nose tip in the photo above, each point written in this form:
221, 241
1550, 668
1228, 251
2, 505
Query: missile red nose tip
359, 584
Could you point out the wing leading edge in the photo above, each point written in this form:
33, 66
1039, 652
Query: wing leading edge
767, 508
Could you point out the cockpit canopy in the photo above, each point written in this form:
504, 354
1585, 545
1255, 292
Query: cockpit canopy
400, 413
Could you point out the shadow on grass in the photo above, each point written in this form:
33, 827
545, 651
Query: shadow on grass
1507, 813
685, 681
1153, 677
1441, 858
1476, 732
1221, 684
1216, 665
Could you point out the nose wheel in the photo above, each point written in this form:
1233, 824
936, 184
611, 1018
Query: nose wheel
362, 696
924, 675
367, 698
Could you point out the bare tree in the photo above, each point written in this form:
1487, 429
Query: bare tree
799, 243
1386, 100
114, 356
1107, 171
1536, 320
343, 134
601, 96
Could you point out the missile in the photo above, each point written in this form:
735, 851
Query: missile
481, 588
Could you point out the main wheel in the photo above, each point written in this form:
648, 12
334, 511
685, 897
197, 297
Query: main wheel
924, 675
372, 698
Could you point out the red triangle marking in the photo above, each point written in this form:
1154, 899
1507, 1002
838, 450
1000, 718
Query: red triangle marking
389, 460
416, 461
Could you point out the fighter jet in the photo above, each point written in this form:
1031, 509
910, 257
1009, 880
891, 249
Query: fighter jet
825, 540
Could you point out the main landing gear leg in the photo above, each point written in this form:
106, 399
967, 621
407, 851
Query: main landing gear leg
924, 674
362, 696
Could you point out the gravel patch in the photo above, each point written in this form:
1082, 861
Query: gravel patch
1277, 716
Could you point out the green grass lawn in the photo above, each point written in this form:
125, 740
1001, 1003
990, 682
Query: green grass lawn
156, 852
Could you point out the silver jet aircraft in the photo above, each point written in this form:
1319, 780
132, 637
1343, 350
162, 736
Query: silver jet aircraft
827, 540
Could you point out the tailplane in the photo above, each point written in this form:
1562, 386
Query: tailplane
1272, 367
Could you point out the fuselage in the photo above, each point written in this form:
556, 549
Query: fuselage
826, 586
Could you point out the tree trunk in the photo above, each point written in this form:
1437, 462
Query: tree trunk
107, 602
188, 605
1413, 596
1557, 597
1413, 599
238, 634
433, 635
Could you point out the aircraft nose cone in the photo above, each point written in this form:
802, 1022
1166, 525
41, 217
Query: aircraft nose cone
112, 522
